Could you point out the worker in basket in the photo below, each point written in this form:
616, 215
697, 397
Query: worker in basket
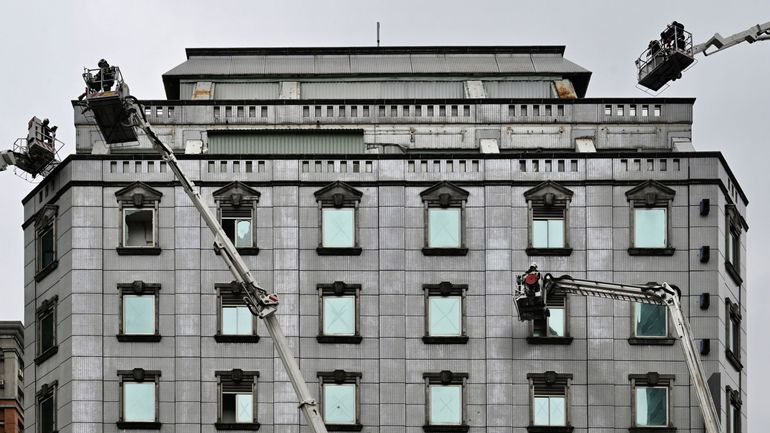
102, 81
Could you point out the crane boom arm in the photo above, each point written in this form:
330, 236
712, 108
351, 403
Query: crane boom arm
759, 32
657, 294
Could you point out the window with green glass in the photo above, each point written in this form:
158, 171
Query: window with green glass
446, 404
139, 401
651, 406
444, 228
548, 233
237, 320
339, 403
238, 230
555, 325
139, 314
650, 228
650, 320
339, 315
550, 410
445, 316
338, 228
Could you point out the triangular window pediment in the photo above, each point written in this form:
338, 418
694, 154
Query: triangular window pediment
138, 193
338, 194
444, 194
236, 192
650, 193
46, 215
549, 192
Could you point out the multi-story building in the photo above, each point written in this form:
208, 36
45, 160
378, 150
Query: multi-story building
389, 196
11, 377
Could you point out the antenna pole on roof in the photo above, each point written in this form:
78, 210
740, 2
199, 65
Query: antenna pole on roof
378, 34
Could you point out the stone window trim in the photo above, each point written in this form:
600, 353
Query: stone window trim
550, 383
446, 377
338, 195
236, 377
650, 194
733, 314
46, 391
46, 308
45, 221
339, 288
339, 377
445, 289
444, 195
735, 225
139, 288
652, 379
734, 400
138, 196
553, 301
139, 375
238, 196
639, 340
548, 198
232, 289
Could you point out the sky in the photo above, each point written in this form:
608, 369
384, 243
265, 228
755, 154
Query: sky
45, 44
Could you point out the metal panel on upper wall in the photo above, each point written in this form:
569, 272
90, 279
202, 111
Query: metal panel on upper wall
382, 90
246, 91
519, 89
250, 143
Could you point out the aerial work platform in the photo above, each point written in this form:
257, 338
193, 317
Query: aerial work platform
105, 96
665, 59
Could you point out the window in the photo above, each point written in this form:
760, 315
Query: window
548, 208
235, 323
733, 420
645, 110
445, 313
45, 241
139, 399
651, 400
46, 330
734, 227
46, 408
237, 400
340, 400
139, 312
445, 401
650, 325
236, 208
444, 209
139, 219
339, 311
608, 110
338, 219
549, 401
650, 215
554, 329
733, 333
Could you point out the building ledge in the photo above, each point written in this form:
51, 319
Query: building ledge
652, 429
244, 251
47, 354
432, 339
129, 425
352, 251
222, 338
564, 341
734, 360
733, 273
138, 251
123, 338
46, 270
445, 251
652, 341
237, 426
344, 427
651, 251
445, 428
340, 339
532, 251
550, 428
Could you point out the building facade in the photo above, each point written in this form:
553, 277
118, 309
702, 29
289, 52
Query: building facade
11, 377
389, 196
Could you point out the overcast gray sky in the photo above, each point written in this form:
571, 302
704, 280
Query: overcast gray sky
44, 46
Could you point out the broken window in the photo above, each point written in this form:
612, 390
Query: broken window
139, 227
236, 206
46, 330
340, 399
445, 398
237, 399
46, 408
139, 219
555, 325
444, 313
139, 399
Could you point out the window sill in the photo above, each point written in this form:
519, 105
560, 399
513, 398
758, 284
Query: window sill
223, 338
733, 273
445, 428
47, 354
445, 251
138, 338
244, 251
733, 360
563, 341
550, 428
651, 341
352, 251
652, 429
651, 251
342, 339
132, 425
236, 426
46, 270
344, 427
138, 251
431, 339
532, 251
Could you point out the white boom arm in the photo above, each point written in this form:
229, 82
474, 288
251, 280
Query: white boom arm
260, 302
662, 294
760, 32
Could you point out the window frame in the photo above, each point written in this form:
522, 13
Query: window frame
224, 289
733, 425
444, 378
651, 340
561, 302
238, 376
138, 196
444, 195
546, 197
652, 380
559, 385
339, 289
138, 375
340, 377
46, 391
445, 289
236, 195
44, 221
339, 195
734, 226
733, 320
46, 308
138, 288
650, 195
